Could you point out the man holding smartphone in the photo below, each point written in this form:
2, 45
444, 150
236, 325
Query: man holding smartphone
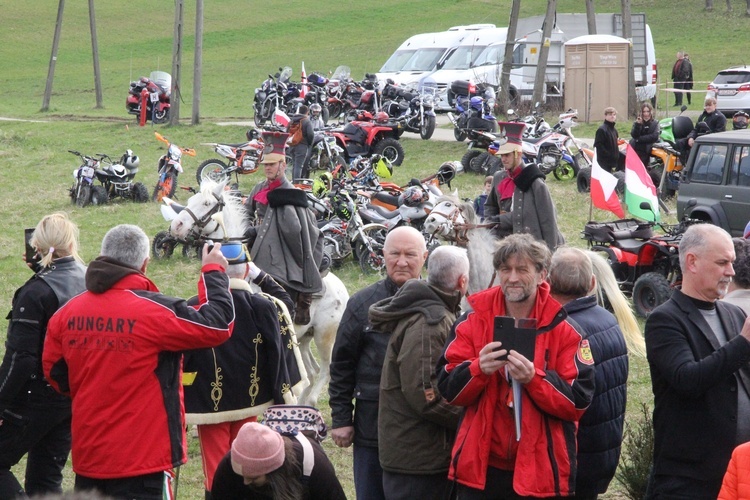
490, 459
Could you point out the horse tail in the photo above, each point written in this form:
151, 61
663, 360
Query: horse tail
607, 290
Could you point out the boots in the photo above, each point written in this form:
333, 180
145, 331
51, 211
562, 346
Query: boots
302, 314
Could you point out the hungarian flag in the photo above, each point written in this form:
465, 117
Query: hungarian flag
303, 86
639, 188
603, 193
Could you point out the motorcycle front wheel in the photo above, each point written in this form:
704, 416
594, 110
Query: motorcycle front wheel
163, 245
459, 134
165, 187
212, 169
83, 195
427, 128
161, 116
334, 109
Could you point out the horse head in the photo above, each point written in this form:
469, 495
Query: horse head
447, 216
213, 212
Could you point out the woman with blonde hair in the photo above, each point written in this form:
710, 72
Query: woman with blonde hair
35, 419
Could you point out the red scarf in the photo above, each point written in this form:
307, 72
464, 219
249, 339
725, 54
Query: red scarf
507, 185
262, 195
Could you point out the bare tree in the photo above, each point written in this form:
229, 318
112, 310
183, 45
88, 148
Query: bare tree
541, 65
591, 16
510, 42
174, 109
627, 33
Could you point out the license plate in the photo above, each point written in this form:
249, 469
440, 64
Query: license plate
87, 172
154, 96
727, 92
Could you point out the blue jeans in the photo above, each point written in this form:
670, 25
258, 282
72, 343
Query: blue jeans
368, 476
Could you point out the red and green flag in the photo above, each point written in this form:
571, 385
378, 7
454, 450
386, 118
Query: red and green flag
639, 188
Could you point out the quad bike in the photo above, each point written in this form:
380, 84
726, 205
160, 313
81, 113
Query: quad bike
366, 137
647, 266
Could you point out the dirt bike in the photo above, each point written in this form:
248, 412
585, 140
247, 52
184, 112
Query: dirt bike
557, 152
241, 159
83, 190
169, 167
153, 94
647, 266
325, 153
364, 137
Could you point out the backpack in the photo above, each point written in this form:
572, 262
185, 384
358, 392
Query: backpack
295, 132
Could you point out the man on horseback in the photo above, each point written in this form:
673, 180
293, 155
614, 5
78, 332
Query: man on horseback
285, 241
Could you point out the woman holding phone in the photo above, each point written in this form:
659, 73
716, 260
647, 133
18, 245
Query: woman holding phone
34, 418
645, 133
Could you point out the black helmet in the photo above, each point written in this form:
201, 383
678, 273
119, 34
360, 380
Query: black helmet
252, 134
739, 120
343, 206
446, 172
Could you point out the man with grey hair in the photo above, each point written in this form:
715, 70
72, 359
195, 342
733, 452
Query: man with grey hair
698, 353
494, 454
415, 424
116, 350
571, 279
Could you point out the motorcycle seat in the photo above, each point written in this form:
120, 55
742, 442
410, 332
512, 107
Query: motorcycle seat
629, 245
534, 140
386, 198
384, 212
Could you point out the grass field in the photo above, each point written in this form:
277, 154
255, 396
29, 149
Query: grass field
243, 42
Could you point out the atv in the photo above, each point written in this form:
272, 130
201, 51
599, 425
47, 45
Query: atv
366, 137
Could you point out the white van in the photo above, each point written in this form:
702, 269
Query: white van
424, 53
458, 64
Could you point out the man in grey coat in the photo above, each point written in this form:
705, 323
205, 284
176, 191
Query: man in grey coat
519, 201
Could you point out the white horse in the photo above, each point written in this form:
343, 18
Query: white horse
455, 221
219, 215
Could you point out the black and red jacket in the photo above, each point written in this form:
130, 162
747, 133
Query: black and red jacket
116, 350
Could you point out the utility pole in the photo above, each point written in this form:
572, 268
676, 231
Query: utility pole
591, 16
53, 57
198, 63
541, 68
627, 33
179, 15
95, 52
510, 42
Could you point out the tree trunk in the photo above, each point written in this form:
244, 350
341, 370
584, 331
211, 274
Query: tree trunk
591, 16
627, 33
198, 64
709, 5
179, 15
541, 65
504, 100
729, 5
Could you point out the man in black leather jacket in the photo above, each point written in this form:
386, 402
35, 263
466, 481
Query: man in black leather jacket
357, 362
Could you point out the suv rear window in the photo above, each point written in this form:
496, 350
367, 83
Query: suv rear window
732, 77
740, 173
709, 162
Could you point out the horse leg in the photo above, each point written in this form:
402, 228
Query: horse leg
308, 361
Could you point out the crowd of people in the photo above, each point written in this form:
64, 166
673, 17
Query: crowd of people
521, 394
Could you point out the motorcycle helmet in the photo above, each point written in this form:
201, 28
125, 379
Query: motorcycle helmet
413, 196
322, 184
381, 117
446, 172
252, 134
343, 206
315, 110
130, 160
739, 120
381, 166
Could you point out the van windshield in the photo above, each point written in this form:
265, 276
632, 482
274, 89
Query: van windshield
397, 61
424, 60
463, 57
494, 54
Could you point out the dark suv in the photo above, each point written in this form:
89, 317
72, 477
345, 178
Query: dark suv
715, 183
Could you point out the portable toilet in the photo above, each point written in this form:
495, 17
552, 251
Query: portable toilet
596, 75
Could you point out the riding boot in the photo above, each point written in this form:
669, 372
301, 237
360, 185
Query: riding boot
302, 316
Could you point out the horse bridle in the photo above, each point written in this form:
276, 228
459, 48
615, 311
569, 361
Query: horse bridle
201, 222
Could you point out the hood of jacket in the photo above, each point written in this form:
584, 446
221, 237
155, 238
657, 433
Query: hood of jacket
103, 273
416, 296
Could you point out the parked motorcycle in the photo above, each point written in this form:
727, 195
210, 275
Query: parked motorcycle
270, 96
665, 157
474, 105
336, 87
241, 159
83, 190
536, 125
557, 152
325, 153
318, 94
169, 167
155, 93
361, 96
116, 178
365, 138
414, 109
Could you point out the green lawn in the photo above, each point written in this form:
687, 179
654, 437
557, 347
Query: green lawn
243, 42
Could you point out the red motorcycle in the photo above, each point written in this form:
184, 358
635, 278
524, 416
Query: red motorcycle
365, 137
151, 96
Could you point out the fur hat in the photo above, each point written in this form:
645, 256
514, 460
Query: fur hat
274, 146
513, 134
257, 450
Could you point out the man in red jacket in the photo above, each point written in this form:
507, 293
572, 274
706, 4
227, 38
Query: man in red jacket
116, 349
490, 459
